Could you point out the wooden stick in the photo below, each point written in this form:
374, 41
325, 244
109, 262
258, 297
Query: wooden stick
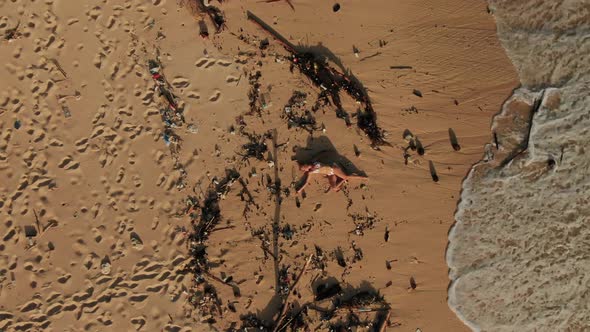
39, 230
58, 66
286, 306
265, 249
384, 325
221, 228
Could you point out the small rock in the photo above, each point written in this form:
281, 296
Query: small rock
413, 284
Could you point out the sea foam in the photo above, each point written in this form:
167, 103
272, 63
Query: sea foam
519, 252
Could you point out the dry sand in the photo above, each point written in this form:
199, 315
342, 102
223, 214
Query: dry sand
112, 250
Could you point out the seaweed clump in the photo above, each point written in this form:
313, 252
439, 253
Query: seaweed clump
256, 147
332, 82
297, 115
205, 216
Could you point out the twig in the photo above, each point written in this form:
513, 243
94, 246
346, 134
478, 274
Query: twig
265, 249
218, 280
384, 325
370, 56
288, 1
286, 305
293, 316
221, 228
39, 230
247, 192
59, 67
400, 67
537, 103
360, 309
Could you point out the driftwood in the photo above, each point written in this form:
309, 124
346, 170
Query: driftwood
384, 324
286, 304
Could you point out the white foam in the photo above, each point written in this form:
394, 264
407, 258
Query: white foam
519, 252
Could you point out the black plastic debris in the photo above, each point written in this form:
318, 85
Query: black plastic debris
30, 231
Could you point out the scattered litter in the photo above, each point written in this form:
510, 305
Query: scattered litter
66, 111
297, 114
410, 110
254, 94
11, 34
136, 241
105, 268
17, 124
192, 128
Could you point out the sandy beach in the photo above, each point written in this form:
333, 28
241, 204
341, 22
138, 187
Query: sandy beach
124, 209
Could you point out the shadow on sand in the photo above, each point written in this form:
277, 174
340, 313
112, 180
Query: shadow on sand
322, 150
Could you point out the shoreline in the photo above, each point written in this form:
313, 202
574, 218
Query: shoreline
535, 160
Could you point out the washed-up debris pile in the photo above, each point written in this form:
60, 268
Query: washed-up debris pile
205, 217
363, 222
297, 115
332, 81
254, 96
256, 147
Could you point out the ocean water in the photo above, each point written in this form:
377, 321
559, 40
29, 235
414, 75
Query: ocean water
519, 252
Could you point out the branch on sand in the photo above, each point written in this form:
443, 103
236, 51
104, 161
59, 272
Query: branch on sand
281, 316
